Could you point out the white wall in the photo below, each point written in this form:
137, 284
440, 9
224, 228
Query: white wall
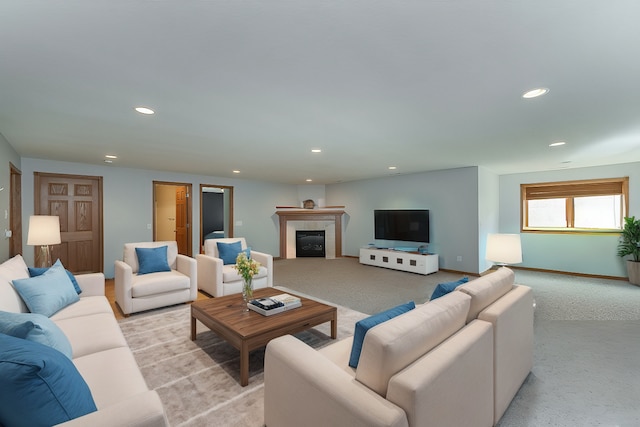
583, 253
7, 155
313, 192
450, 195
128, 205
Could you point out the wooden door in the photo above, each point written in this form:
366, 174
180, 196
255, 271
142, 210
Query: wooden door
77, 200
15, 207
181, 219
182, 203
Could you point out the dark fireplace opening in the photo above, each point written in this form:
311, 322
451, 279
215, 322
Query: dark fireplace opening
310, 243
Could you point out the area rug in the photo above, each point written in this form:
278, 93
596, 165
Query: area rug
198, 381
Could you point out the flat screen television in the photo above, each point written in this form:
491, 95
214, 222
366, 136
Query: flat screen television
406, 225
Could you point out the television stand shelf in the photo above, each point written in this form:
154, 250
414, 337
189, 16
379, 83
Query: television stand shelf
412, 262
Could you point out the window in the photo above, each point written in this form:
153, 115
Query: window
575, 206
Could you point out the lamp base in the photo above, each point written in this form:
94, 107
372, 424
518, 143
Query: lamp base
44, 260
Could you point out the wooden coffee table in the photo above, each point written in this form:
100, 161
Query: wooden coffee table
248, 330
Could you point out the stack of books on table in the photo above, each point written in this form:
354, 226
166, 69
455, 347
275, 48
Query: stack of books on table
275, 304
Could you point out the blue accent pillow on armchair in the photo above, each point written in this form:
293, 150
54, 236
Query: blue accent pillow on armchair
45, 387
152, 260
445, 288
229, 251
363, 326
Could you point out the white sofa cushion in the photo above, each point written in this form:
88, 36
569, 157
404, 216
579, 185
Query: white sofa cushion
86, 306
230, 274
112, 375
10, 270
394, 344
92, 334
158, 283
485, 290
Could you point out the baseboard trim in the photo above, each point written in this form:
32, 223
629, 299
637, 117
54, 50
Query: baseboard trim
541, 270
571, 273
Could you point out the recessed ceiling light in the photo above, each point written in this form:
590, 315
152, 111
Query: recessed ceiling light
392, 168
309, 180
557, 144
144, 110
534, 93
316, 150
111, 156
236, 171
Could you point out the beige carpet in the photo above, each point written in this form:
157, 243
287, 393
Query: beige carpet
198, 381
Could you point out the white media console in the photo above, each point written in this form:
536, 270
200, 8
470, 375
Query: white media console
412, 262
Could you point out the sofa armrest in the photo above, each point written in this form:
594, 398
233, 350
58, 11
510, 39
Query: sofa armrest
304, 388
188, 266
123, 280
92, 284
267, 261
451, 385
143, 410
210, 274
512, 320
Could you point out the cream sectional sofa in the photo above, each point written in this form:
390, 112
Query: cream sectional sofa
454, 361
99, 352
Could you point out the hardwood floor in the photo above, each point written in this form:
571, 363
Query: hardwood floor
109, 290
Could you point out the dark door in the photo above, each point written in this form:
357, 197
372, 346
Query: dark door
77, 200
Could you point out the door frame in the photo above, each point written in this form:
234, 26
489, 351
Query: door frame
15, 210
189, 187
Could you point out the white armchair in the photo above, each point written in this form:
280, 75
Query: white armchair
218, 279
174, 284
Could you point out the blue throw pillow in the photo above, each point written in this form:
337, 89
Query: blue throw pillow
363, 326
445, 288
37, 328
229, 251
48, 293
152, 260
39, 386
38, 271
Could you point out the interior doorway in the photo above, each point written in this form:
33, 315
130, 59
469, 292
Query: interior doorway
216, 212
15, 209
172, 214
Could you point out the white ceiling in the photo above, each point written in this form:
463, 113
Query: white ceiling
255, 84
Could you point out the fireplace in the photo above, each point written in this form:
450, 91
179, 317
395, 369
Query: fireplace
310, 243
329, 220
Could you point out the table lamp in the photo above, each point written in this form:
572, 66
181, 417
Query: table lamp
504, 249
44, 230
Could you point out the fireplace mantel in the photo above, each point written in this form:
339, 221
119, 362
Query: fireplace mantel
287, 215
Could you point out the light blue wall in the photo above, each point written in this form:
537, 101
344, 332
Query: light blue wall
488, 212
466, 204
7, 155
128, 205
588, 254
450, 195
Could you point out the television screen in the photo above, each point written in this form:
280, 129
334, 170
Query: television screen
402, 224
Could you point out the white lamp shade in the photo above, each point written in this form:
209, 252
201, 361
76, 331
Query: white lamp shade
43, 230
504, 248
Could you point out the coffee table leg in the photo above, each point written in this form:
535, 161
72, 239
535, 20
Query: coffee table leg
193, 328
334, 326
244, 364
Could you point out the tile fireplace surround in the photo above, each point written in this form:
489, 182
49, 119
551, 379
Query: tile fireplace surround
329, 220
